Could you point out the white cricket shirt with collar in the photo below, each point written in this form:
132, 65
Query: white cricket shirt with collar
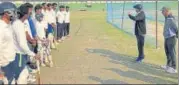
20, 40
67, 17
61, 16
7, 49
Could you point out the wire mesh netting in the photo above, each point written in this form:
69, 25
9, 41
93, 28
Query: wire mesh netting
117, 15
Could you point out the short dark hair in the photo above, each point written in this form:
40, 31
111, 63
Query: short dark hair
43, 4
67, 7
61, 6
28, 5
49, 4
22, 10
54, 4
37, 7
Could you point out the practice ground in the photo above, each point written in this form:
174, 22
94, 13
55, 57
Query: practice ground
98, 53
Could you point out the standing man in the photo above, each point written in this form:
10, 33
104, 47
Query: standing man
60, 23
54, 6
22, 50
67, 21
31, 33
170, 34
7, 49
51, 25
140, 30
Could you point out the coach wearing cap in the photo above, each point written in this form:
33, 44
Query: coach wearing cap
170, 34
140, 29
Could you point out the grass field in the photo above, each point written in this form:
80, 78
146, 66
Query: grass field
98, 53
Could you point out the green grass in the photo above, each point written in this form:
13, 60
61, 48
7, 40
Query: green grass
117, 41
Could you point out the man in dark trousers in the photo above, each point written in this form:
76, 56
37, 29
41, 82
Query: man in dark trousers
170, 34
140, 29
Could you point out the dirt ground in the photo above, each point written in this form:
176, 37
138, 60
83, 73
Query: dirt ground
97, 53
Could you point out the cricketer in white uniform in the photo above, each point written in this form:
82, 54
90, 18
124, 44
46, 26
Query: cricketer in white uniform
21, 47
7, 49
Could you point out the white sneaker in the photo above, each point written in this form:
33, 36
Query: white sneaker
165, 67
43, 65
51, 64
60, 41
63, 38
171, 70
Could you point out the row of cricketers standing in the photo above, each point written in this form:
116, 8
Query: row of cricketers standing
28, 33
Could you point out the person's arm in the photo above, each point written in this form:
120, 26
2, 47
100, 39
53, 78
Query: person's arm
174, 26
29, 39
139, 17
2, 54
21, 38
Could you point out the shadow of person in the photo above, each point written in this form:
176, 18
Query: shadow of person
129, 61
108, 81
139, 76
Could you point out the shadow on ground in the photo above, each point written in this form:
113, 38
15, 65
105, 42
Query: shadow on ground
141, 67
108, 81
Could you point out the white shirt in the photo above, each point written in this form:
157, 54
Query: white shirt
7, 50
45, 18
67, 17
20, 40
61, 16
54, 15
27, 28
40, 28
50, 17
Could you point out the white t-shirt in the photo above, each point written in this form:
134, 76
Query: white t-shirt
61, 16
27, 28
50, 17
7, 49
45, 22
40, 28
20, 40
54, 15
67, 17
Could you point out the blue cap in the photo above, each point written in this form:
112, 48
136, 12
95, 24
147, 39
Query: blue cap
7, 6
138, 6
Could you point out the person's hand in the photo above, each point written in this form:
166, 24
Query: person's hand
34, 43
37, 57
129, 13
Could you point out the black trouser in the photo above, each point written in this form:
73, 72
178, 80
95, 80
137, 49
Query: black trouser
140, 44
60, 30
170, 51
67, 28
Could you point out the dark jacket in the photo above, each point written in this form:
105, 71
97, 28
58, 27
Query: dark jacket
140, 24
170, 27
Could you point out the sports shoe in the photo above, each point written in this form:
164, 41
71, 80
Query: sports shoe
165, 67
51, 64
59, 41
63, 38
43, 65
171, 70
139, 59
